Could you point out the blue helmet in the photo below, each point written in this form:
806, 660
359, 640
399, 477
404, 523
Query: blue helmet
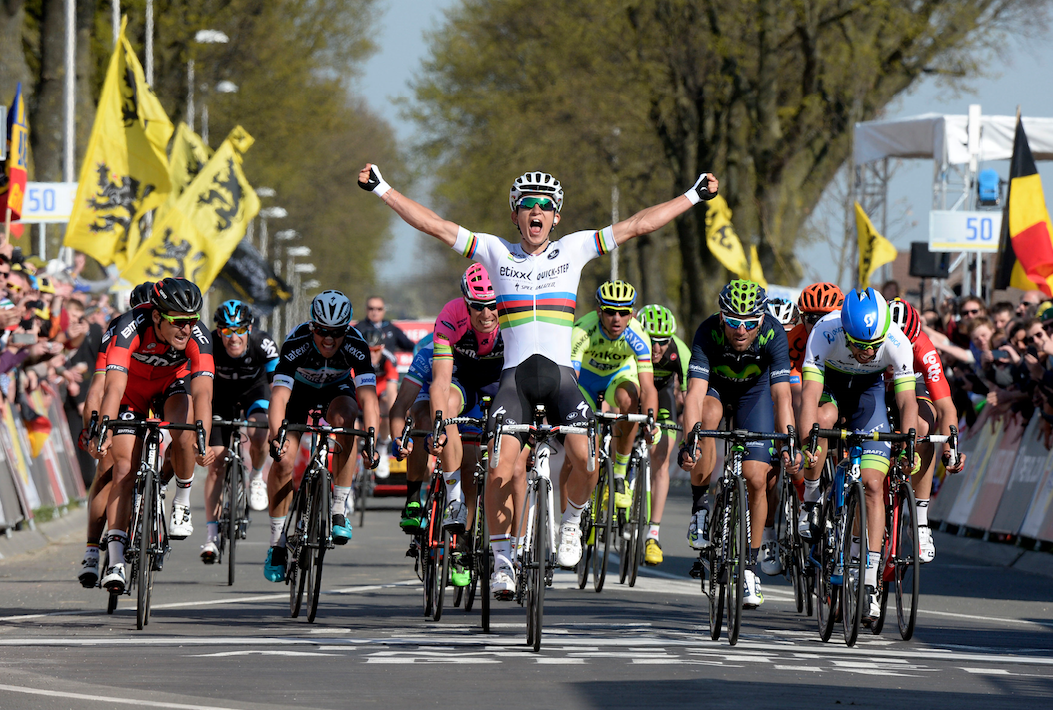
232, 314
865, 316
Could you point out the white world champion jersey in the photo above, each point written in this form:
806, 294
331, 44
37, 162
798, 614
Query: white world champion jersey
536, 293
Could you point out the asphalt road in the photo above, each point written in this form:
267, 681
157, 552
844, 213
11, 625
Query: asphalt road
984, 640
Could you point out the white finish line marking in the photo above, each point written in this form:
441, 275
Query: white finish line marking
109, 699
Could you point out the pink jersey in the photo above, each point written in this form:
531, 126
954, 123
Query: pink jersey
451, 327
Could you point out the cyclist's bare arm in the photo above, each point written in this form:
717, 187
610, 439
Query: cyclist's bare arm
782, 396
407, 395
369, 403
276, 411
811, 392
93, 400
653, 218
201, 394
413, 213
908, 409
648, 393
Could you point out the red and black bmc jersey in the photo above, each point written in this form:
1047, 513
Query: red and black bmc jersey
135, 349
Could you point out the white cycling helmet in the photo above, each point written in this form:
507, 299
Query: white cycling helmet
535, 183
785, 311
331, 310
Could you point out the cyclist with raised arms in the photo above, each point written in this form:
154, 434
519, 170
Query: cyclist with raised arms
244, 367
152, 354
934, 406
740, 364
611, 355
536, 282
669, 358
324, 364
845, 360
99, 491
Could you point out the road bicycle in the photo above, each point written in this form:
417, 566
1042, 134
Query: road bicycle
308, 530
793, 550
535, 561
598, 534
723, 563
900, 556
148, 546
840, 552
234, 508
633, 529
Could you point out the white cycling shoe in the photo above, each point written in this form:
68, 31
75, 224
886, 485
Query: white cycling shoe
503, 584
753, 597
698, 530
926, 546
181, 526
569, 553
258, 494
770, 564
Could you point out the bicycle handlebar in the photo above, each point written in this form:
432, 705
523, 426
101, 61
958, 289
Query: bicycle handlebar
854, 437
243, 423
548, 430
286, 427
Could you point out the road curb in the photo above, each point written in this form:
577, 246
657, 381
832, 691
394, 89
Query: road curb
995, 553
21, 542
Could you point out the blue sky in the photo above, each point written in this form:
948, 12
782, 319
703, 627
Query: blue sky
1011, 81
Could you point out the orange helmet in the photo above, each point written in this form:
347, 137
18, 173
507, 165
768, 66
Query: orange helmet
821, 297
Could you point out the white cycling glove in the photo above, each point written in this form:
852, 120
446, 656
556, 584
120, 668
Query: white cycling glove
375, 183
699, 191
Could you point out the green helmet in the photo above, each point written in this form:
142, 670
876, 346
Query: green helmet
616, 294
657, 321
742, 298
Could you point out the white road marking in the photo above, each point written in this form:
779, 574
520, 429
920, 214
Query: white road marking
987, 671
989, 619
560, 661
262, 653
109, 699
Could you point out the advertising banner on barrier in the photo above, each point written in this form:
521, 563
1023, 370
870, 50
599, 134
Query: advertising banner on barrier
984, 507
1038, 523
950, 485
1028, 468
987, 435
18, 460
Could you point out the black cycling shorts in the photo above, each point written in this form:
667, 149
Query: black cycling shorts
156, 397
667, 410
229, 401
304, 399
538, 380
752, 409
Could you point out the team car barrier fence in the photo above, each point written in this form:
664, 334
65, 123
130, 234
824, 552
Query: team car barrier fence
28, 484
1007, 485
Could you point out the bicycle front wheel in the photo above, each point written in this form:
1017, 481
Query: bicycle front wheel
144, 574
715, 556
604, 527
588, 540
639, 517
233, 493
827, 594
854, 593
734, 576
317, 543
908, 562
296, 549
538, 563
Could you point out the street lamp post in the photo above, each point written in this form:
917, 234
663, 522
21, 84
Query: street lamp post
265, 214
304, 288
202, 37
281, 238
223, 87
298, 269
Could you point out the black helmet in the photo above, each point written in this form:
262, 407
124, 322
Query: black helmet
177, 295
140, 294
373, 337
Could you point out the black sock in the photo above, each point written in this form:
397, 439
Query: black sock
413, 491
698, 495
754, 554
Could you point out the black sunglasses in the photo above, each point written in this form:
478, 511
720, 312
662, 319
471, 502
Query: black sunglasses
481, 306
812, 318
329, 332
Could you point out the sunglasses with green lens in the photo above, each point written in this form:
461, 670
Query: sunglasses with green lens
181, 321
547, 204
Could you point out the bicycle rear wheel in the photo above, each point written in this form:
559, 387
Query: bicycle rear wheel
715, 555
539, 556
604, 527
434, 548
317, 543
641, 515
854, 593
445, 551
588, 540
908, 562
144, 571
735, 565
296, 547
888, 557
231, 528
827, 594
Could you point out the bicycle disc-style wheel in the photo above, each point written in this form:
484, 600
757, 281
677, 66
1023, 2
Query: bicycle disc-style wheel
854, 593
605, 528
715, 555
233, 511
908, 562
317, 544
145, 558
827, 594
539, 555
588, 540
736, 563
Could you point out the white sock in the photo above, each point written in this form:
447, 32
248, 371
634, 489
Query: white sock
212, 528
573, 513
257, 473
652, 531
182, 494
923, 511
453, 485
277, 524
811, 491
340, 494
118, 539
873, 560
501, 546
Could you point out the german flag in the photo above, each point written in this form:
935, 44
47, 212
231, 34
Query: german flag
1026, 247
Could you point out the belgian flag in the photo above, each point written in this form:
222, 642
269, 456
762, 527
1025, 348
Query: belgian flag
1026, 247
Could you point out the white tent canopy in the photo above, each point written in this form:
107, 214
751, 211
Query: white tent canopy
945, 138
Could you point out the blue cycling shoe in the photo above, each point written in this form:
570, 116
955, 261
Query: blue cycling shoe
274, 565
341, 529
